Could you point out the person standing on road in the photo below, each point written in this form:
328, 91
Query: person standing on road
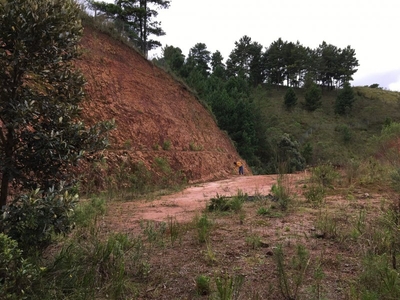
240, 166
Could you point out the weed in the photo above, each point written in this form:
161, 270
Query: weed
154, 232
315, 193
203, 285
254, 241
291, 278
128, 144
281, 191
222, 203
173, 229
203, 225
228, 288
166, 145
209, 253
263, 211
195, 147
324, 175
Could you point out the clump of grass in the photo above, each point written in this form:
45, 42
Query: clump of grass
228, 287
195, 147
223, 203
325, 175
203, 225
315, 194
203, 285
166, 145
291, 273
281, 191
254, 241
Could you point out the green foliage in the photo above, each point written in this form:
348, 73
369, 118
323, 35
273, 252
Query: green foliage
324, 175
135, 19
87, 213
378, 280
289, 154
93, 268
228, 287
254, 241
203, 285
223, 203
19, 277
203, 225
32, 219
345, 132
282, 193
166, 145
291, 273
312, 97
290, 100
344, 100
315, 193
195, 147
40, 93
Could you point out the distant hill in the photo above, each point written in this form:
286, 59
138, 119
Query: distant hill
158, 120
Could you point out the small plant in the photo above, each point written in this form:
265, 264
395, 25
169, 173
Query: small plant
222, 203
173, 229
166, 145
203, 285
254, 241
281, 192
228, 288
128, 144
203, 225
291, 275
324, 175
315, 193
263, 211
195, 147
327, 225
209, 253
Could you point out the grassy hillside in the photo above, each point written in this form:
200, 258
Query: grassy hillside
333, 138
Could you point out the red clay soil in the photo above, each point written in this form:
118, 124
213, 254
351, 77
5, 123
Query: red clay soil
150, 109
184, 205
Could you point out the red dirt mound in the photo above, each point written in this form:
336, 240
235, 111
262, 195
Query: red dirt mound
155, 115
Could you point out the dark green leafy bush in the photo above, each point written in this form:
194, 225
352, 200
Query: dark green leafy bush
32, 219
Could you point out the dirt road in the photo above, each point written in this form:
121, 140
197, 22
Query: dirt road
182, 206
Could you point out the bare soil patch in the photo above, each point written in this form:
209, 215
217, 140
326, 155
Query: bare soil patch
242, 245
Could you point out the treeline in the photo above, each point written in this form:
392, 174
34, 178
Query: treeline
282, 63
228, 89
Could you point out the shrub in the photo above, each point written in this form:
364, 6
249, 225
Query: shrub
17, 275
32, 219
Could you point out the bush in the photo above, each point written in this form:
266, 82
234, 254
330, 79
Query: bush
17, 275
32, 219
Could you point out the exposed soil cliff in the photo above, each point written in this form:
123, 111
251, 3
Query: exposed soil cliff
155, 115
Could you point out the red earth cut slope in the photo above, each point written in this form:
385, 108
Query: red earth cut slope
150, 109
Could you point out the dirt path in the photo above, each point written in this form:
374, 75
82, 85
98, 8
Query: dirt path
182, 206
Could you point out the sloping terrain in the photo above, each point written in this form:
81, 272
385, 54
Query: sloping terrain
155, 115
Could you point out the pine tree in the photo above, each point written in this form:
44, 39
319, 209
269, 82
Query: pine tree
290, 99
344, 100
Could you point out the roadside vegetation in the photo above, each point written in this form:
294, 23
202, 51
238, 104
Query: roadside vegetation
334, 233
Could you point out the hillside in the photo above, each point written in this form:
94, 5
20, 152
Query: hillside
156, 116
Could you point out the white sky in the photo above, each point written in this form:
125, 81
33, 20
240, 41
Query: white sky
369, 27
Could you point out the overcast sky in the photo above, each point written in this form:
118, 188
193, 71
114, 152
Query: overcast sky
369, 27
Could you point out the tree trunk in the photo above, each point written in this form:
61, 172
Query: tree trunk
4, 189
